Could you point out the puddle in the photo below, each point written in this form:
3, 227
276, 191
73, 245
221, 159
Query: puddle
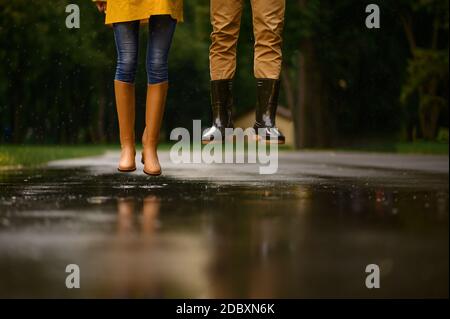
137, 237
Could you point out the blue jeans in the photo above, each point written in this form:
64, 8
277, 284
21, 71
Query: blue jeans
126, 34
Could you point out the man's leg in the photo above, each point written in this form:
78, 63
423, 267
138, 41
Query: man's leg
268, 23
226, 21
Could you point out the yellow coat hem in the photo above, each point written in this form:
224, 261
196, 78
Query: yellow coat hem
143, 13
144, 17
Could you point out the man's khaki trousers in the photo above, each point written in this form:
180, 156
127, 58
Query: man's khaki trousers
268, 22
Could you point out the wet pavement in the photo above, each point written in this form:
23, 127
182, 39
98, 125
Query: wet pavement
224, 231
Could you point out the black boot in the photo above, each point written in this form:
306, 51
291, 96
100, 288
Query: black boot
268, 91
222, 105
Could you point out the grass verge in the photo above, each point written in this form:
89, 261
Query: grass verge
35, 155
426, 148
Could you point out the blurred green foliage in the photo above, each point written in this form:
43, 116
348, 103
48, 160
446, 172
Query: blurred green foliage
342, 81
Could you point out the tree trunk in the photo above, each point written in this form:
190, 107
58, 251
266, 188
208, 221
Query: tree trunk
101, 119
101, 113
310, 109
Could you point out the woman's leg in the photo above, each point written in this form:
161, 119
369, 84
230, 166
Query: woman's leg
127, 41
126, 35
161, 31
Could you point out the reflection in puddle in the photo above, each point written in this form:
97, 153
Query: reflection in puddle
137, 262
162, 238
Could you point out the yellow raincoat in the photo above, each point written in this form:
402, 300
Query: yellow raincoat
132, 10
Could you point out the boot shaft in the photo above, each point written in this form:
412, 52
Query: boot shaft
222, 103
268, 91
154, 112
125, 104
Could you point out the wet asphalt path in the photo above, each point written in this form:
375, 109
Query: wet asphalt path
225, 231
